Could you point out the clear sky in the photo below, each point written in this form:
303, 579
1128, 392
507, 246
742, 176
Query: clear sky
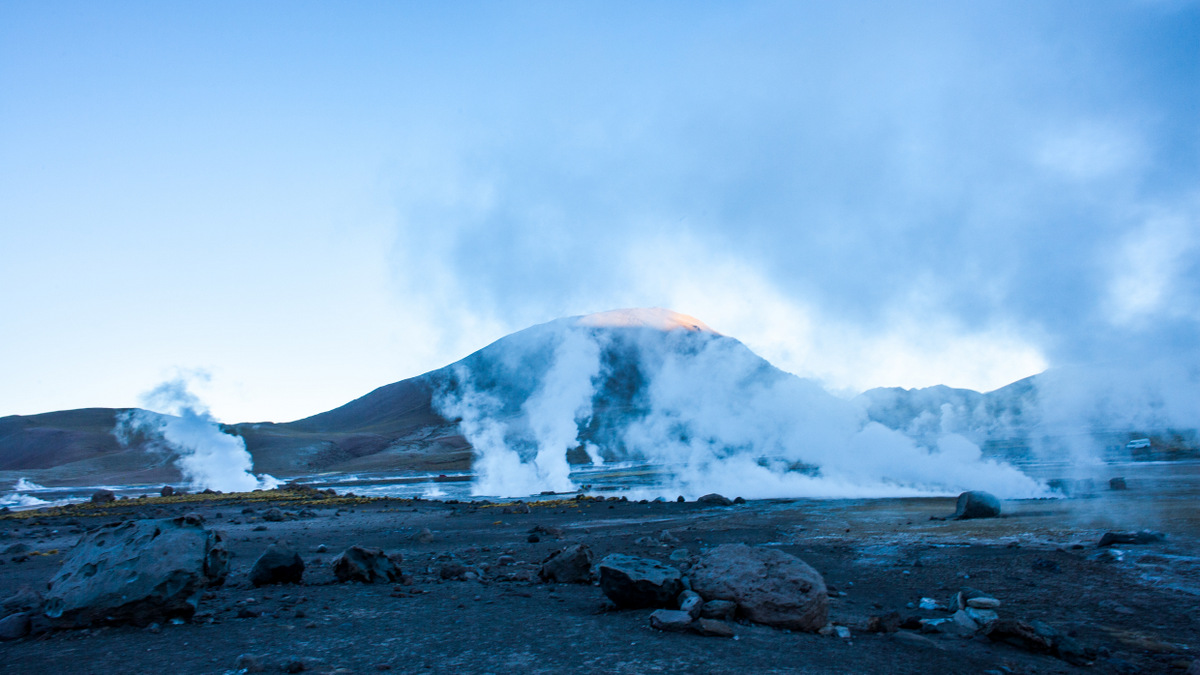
308, 200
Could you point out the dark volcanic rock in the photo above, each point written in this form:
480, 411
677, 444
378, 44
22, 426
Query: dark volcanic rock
366, 565
1137, 538
571, 565
166, 491
769, 586
715, 499
273, 515
14, 626
976, 504
138, 571
639, 582
279, 564
888, 623
103, 496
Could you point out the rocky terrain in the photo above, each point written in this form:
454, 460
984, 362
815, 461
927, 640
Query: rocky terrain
530, 587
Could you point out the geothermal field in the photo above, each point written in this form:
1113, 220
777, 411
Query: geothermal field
622, 492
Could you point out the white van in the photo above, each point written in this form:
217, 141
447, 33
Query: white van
1138, 444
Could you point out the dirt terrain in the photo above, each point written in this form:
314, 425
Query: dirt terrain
1136, 610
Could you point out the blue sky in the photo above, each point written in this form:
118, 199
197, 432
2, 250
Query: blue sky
309, 200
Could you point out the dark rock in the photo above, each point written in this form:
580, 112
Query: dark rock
548, 530
273, 515
718, 609
887, 623
17, 549
1117, 484
137, 571
279, 564
247, 613
1045, 565
14, 626
103, 496
715, 499
425, 536
365, 565
571, 565
1137, 538
769, 586
672, 620
1020, 634
166, 491
639, 582
976, 504
959, 600
739, 500
452, 570
25, 599
680, 499
533, 538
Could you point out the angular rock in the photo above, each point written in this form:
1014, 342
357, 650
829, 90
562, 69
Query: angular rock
639, 582
571, 565
1019, 634
14, 626
769, 586
983, 617
715, 499
976, 504
366, 565
964, 622
25, 599
888, 623
718, 609
671, 620
103, 496
273, 515
1136, 538
279, 564
138, 571
452, 571
960, 599
692, 603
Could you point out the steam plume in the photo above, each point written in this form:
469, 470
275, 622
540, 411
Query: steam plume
183, 428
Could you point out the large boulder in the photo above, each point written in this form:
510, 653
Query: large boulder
137, 571
279, 564
366, 565
571, 565
976, 504
769, 586
639, 582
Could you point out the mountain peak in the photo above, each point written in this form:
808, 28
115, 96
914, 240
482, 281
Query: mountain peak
653, 317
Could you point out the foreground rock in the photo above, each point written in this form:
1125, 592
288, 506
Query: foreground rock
366, 565
1137, 538
769, 586
571, 565
279, 564
139, 571
976, 504
639, 582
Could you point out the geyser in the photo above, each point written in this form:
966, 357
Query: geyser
656, 387
179, 424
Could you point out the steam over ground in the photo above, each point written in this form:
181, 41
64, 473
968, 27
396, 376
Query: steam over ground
705, 409
185, 431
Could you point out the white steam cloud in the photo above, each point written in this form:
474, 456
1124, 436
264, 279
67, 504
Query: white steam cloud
180, 425
703, 409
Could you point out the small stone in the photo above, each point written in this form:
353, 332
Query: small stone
983, 617
505, 560
533, 538
452, 571
718, 609
672, 620
983, 602
322, 548
929, 603
842, 632
250, 663
964, 621
692, 603
713, 628
888, 623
